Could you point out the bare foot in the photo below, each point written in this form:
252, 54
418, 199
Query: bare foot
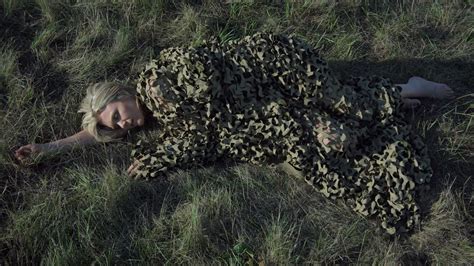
418, 87
410, 103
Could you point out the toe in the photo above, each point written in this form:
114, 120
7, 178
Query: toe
444, 91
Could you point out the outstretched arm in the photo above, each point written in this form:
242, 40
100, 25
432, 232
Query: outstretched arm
81, 138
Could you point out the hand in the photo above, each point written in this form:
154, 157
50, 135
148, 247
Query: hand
27, 151
132, 170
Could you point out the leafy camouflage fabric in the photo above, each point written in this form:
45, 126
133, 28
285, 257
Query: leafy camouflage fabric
264, 99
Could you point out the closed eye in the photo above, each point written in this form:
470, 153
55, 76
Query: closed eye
115, 119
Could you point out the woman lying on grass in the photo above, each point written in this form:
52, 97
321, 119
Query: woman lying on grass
269, 99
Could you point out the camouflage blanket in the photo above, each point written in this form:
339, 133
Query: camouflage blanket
267, 99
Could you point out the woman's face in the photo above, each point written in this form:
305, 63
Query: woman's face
122, 114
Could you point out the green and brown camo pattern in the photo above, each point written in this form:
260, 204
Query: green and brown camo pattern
264, 99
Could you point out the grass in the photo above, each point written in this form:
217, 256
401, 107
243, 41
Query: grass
80, 207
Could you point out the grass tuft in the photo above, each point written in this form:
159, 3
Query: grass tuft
278, 242
188, 28
10, 6
445, 237
8, 71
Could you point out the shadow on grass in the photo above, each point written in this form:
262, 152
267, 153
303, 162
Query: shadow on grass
457, 73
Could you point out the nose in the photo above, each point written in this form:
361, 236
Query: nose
125, 124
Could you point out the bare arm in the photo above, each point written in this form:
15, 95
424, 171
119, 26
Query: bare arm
81, 138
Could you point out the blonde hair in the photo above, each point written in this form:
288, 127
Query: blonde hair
97, 97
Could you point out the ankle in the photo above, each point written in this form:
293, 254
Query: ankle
407, 90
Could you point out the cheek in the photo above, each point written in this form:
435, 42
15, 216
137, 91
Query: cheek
125, 112
131, 110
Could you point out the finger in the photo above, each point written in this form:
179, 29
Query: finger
23, 149
132, 172
132, 167
25, 152
21, 158
135, 167
21, 154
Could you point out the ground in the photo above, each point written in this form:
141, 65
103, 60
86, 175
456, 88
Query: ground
80, 206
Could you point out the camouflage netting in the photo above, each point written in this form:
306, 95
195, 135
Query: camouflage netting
264, 99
